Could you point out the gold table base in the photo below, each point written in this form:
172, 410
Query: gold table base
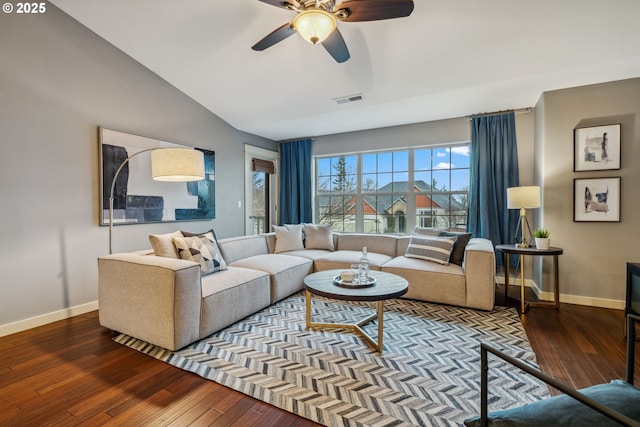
356, 327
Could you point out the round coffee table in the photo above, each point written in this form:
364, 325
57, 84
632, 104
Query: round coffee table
387, 286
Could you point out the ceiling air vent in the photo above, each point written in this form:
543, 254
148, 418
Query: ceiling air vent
347, 99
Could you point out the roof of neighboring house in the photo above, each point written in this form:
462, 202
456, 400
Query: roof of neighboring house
396, 191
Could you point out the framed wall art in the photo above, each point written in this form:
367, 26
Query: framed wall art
140, 199
596, 148
596, 199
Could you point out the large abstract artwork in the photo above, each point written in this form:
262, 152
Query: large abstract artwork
137, 197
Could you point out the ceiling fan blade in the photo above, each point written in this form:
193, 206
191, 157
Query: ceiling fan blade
372, 10
336, 46
274, 37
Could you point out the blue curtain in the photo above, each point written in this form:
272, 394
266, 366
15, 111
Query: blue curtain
295, 182
494, 167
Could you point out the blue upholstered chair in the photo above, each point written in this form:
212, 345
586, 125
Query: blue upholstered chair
613, 404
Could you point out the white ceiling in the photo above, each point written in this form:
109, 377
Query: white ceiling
450, 58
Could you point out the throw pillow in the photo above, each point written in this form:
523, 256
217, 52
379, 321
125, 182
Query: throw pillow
457, 254
203, 250
436, 249
426, 231
318, 236
288, 238
162, 244
189, 234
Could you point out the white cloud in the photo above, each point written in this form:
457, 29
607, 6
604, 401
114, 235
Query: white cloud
441, 154
464, 150
443, 165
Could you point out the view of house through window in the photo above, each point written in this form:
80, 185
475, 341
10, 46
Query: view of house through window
393, 191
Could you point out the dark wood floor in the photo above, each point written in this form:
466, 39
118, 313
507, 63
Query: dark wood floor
71, 373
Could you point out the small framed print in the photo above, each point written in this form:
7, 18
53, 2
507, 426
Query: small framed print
596, 199
596, 148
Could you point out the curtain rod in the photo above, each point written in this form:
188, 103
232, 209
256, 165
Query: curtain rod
495, 113
296, 139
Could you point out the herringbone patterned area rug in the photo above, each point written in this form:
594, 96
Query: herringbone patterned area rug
428, 374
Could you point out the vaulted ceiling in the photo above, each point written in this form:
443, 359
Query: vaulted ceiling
448, 59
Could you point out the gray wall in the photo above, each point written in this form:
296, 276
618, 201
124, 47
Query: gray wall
592, 269
58, 83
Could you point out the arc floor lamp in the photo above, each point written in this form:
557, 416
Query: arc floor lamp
167, 164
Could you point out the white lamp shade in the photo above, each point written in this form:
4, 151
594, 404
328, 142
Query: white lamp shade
177, 164
523, 197
314, 25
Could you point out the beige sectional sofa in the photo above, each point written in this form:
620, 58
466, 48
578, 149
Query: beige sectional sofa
166, 302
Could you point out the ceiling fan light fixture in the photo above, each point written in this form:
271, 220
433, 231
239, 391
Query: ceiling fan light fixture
314, 25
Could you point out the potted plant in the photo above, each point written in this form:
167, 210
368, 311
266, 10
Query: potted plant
542, 238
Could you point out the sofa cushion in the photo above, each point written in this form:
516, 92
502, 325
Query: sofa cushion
375, 243
162, 244
430, 281
462, 239
231, 295
318, 236
344, 259
567, 411
201, 249
286, 272
436, 249
311, 254
288, 238
236, 248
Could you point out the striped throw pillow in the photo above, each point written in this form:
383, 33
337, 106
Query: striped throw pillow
430, 248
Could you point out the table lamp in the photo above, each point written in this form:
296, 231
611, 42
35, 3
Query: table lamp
523, 198
167, 164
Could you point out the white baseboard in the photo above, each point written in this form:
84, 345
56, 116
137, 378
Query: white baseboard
582, 300
33, 322
569, 299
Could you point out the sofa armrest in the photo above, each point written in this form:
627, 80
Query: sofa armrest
480, 273
152, 298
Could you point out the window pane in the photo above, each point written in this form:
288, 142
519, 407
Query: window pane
460, 180
401, 182
460, 156
441, 158
385, 182
369, 163
385, 162
422, 179
369, 182
440, 180
323, 167
400, 161
422, 160
352, 163
323, 183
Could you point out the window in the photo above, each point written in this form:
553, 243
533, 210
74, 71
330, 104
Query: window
336, 191
377, 192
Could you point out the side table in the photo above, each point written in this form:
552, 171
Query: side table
522, 252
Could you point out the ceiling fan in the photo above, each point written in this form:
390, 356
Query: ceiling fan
316, 21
